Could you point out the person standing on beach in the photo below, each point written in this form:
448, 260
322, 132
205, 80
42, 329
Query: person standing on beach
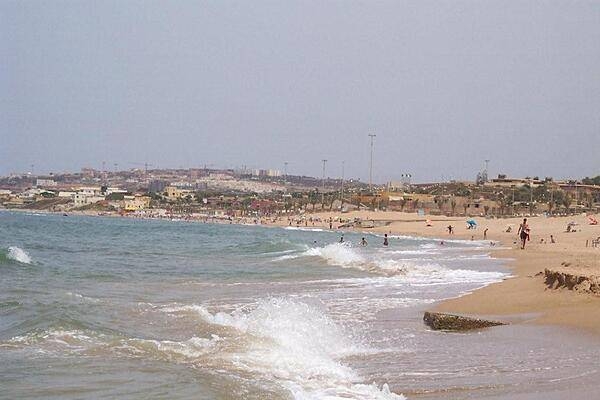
385, 240
485, 233
523, 232
450, 229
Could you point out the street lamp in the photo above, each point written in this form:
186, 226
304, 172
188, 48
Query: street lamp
371, 135
323, 183
342, 192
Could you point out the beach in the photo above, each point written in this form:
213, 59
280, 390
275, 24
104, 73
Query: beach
525, 297
182, 308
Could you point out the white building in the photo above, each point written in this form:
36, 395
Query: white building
112, 190
89, 190
81, 199
45, 182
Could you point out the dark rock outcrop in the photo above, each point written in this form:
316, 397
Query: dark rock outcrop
450, 322
578, 283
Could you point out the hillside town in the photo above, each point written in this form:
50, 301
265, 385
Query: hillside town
198, 193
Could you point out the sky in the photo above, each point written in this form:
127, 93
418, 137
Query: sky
444, 85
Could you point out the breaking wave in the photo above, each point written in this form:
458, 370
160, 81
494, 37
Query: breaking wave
408, 270
14, 253
296, 344
287, 342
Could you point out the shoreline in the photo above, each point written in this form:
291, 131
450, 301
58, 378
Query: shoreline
522, 298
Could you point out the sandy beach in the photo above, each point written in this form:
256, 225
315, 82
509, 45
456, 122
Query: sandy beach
524, 298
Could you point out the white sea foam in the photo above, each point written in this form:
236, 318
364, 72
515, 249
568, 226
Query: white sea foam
188, 350
298, 228
83, 298
286, 257
56, 339
408, 270
341, 254
295, 344
18, 254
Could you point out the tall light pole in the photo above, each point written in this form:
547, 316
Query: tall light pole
371, 135
443, 187
513, 199
323, 183
342, 192
285, 164
531, 197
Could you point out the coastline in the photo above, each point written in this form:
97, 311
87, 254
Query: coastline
523, 298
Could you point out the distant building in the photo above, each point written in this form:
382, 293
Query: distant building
88, 195
40, 182
82, 199
503, 180
66, 194
174, 193
157, 186
112, 190
269, 172
135, 203
89, 190
88, 172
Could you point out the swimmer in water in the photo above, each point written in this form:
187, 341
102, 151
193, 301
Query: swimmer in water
385, 240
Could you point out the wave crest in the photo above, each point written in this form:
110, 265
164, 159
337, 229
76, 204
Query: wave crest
296, 344
18, 254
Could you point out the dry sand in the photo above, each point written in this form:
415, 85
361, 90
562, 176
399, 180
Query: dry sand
525, 297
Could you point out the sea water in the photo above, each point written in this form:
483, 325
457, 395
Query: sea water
99, 307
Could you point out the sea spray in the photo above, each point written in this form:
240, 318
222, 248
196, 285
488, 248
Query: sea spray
295, 344
341, 254
409, 271
17, 254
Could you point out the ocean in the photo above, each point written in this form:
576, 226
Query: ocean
100, 307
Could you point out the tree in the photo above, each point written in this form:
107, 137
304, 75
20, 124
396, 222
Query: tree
439, 201
246, 205
591, 181
415, 204
313, 198
567, 201
453, 205
402, 204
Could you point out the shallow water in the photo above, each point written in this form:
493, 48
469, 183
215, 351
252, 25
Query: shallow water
132, 309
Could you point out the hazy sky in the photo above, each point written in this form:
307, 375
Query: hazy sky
444, 85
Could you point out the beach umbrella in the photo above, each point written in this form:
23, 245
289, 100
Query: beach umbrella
471, 222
